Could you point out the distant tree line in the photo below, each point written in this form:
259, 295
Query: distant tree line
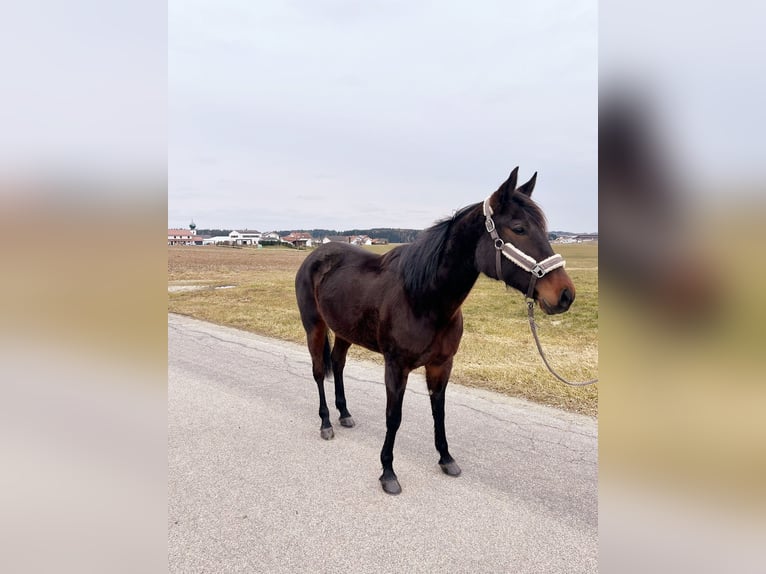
392, 235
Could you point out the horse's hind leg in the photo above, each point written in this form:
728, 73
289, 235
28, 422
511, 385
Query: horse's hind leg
437, 377
339, 351
319, 347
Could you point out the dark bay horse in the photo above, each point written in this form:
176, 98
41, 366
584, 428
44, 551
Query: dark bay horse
405, 304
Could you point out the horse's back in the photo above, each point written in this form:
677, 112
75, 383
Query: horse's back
328, 260
330, 257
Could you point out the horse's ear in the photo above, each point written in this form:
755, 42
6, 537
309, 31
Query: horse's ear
504, 192
527, 188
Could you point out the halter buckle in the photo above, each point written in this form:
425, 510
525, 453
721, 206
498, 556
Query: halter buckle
537, 271
499, 244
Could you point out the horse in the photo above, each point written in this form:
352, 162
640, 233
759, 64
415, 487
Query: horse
405, 304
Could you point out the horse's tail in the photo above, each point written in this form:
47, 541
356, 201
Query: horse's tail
327, 356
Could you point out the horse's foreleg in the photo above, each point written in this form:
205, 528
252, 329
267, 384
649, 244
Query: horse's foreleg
339, 351
437, 377
396, 382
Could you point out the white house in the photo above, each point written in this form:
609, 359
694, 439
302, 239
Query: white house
217, 240
361, 240
245, 237
178, 236
336, 239
183, 236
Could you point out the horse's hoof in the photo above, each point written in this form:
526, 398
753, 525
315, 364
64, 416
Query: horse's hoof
327, 433
390, 485
451, 468
347, 422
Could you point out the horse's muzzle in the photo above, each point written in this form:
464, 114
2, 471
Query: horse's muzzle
557, 294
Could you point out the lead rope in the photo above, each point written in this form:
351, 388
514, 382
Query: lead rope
533, 328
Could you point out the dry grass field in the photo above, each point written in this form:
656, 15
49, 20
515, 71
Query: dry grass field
497, 351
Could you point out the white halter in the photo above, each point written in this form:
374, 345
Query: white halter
513, 253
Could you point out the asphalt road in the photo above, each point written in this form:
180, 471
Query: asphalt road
253, 488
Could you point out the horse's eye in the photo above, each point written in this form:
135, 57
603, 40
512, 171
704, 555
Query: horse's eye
518, 230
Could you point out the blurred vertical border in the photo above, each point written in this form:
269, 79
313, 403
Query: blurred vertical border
682, 452
83, 291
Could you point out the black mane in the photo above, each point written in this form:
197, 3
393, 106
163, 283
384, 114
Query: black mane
420, 260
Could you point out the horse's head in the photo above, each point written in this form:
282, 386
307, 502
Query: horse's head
517, 235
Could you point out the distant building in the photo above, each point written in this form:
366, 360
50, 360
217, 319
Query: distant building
217, 240
184, 236
360, 240
298, 239
245, 237
336, 239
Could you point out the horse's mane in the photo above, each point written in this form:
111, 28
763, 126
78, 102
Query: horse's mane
420, 260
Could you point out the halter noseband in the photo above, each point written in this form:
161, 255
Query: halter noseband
537, 268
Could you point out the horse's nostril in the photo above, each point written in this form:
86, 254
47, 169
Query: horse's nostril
566, 298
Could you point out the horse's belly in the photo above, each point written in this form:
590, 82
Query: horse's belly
357, 335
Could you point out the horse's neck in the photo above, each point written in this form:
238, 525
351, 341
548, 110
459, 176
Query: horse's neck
457, 271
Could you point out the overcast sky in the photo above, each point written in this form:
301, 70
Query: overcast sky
344, 114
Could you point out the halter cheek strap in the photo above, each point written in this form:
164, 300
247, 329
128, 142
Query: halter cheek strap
537, 268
